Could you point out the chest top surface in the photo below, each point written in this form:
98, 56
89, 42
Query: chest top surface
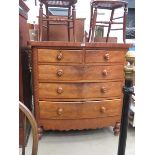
77, 45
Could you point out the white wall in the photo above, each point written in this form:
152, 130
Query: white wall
83, 11
33, 12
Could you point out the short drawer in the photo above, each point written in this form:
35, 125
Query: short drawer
79, 72
59, 73
78, 110
79, 90
60, 56
100, 56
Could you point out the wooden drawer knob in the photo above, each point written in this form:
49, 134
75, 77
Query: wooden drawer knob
105, 73
60, 72
59, 90
60, 56
103, 90
103, 109
106, 56
59, 111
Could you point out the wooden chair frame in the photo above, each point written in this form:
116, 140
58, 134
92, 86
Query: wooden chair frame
94, 22
31, 119
60, 21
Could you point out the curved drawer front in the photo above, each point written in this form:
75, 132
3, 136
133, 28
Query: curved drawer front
77, 110
79, 72
100, 56
79, 90
60, 56
103, 72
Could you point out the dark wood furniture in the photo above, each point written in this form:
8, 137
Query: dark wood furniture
103, 39
59, 33
109, 5
28, 116
76, 85
69, 22
24, 73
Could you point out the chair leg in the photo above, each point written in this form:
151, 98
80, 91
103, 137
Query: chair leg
47, 24
124, 23
94, 24
40, 22
74, 22
24, 135
91, 19
69, 17
109, 28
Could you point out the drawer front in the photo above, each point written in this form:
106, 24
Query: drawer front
60, 56
103, 72
78, 72
79, 90
59, 73
100, 56
78, 110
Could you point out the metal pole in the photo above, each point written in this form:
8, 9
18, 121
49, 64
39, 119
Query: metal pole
128, 91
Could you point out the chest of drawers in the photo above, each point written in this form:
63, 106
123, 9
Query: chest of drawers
78, 86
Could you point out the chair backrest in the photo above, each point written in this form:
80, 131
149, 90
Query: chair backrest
109, 4
27, 114
59, 3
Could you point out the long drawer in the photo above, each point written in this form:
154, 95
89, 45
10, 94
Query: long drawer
79, 90
100, 56
78, 110
79, 72
60, 56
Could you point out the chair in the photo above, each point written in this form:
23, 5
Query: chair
50, 20
108, 5
27, 115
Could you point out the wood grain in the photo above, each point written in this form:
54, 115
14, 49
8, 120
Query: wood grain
94, 56
76, 85
79, 110
79, 90
79, 124
79, 45
52, 73
60, 56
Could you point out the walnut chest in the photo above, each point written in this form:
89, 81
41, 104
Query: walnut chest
78, 86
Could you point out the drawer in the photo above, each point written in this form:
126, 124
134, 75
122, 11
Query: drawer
99, 56
78, 110
79, 72
101, 72
60, 56
59, 73
79, 90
